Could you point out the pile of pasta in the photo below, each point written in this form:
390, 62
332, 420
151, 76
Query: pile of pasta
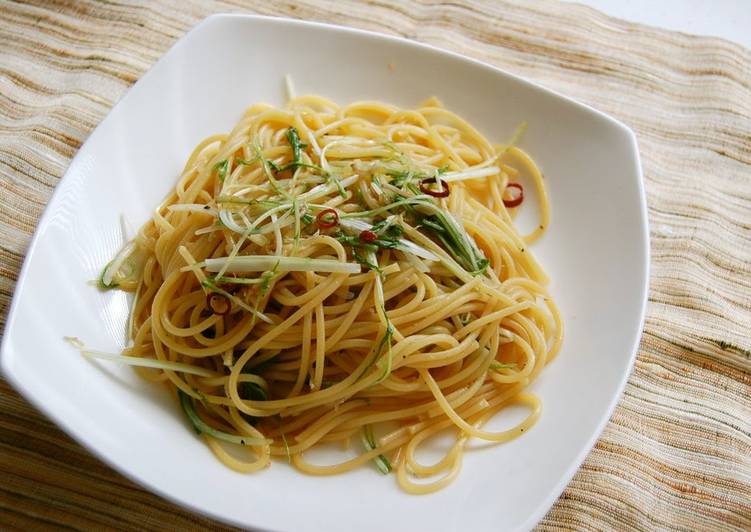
343, 274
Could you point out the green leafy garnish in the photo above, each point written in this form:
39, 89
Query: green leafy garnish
221, 168
293, 138
444, 226
302, 165
267, 277
430, 223
388, 237
409, 178
388, 229
275, 167
201, 427
401, 178
365, 262
246, 162
209, 284
251, 391
100, 281
355, 242
454, 238
368, 441
268, 166
339, 186
386, 343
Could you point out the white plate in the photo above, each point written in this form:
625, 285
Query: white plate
596, 252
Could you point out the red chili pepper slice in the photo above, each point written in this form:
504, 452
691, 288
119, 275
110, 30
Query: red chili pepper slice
327, 218
425, 188
218, 303
516, 199
368, 236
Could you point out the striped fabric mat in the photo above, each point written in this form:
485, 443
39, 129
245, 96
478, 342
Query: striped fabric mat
677, 452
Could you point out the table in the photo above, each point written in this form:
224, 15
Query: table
677, 451
729, 19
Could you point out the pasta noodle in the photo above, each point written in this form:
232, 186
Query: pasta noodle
343, 274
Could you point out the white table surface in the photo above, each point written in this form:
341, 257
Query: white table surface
729, 19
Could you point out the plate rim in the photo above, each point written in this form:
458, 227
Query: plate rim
7, 356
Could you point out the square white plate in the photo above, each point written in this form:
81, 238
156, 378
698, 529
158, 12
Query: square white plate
596, 252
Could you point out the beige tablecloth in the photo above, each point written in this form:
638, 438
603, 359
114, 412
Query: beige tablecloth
677, 452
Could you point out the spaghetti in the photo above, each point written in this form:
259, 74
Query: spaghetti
335, 274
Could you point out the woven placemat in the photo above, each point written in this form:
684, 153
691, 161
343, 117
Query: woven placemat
677, 452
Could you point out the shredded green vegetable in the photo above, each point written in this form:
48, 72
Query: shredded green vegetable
386, 343
368, 440
294, 141
100, 280
365, 262
252, 391
221, 168
149, 363
186, 402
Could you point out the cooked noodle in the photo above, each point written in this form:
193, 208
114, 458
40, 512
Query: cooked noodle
393, 314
